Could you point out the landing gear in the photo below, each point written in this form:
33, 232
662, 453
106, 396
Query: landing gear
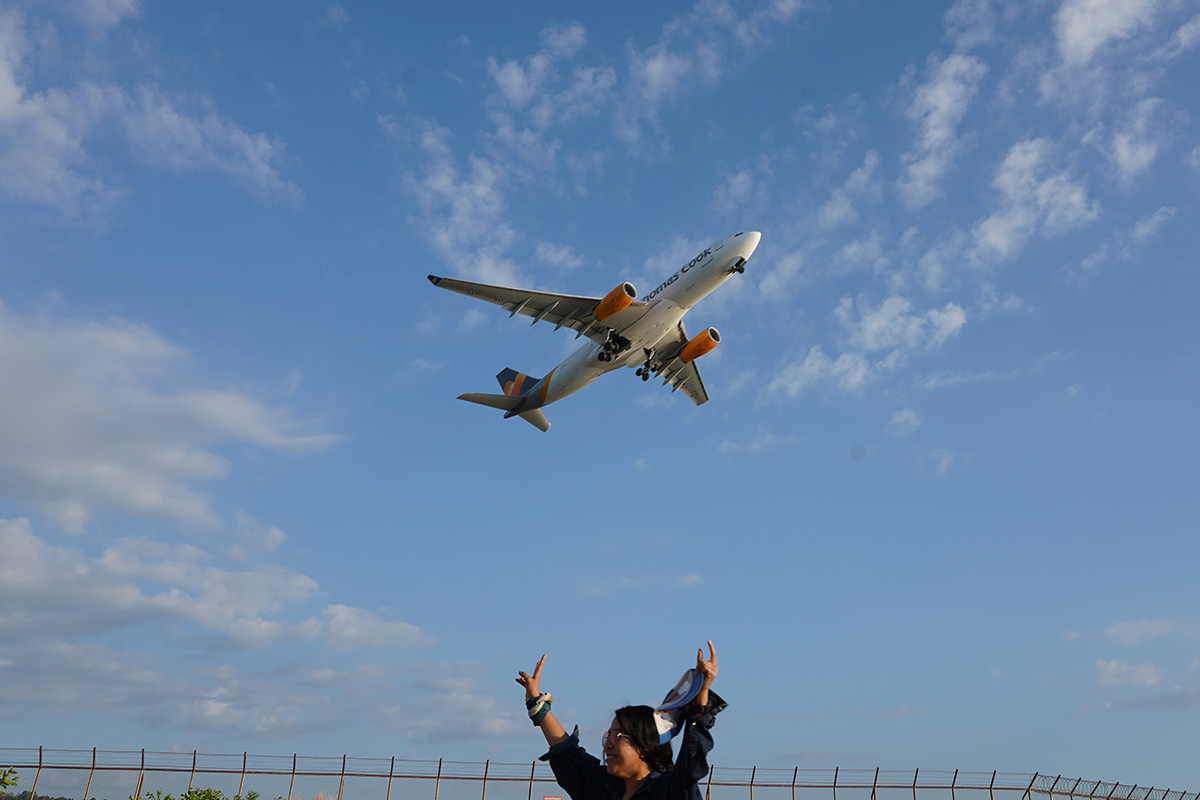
646, 370
613, 346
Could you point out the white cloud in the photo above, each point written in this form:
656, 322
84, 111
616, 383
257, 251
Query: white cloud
1124, 245
1139, 142
862, 184
42, 157
356, 627
850, 372
1032, 201
892, 326
1185, 38
941, 461
1085, 26
43, 135
1110, 674
335, 15
937, 107
53, 593
103, 14
741, 194
904, 422
693, 50
559, 256
463, 212
880, 340
1132, 634
780, 275
761, 441
87, 426
970, 23
186, 136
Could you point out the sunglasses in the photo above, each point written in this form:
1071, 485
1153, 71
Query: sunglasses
615, 738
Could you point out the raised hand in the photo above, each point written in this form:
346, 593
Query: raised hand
708, 669
533, 683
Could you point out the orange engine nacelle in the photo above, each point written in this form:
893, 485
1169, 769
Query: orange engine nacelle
700, 344
615, 301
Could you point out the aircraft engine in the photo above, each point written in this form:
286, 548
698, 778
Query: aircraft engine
615, 301
700, 344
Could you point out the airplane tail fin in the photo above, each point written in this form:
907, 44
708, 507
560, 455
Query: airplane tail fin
514, 384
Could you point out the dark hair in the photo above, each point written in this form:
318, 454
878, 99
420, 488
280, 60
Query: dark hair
638, 722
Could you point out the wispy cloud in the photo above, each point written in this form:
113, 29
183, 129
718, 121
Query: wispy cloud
1110, 674
102, 415
1132, 634
45, 157
937, 107
1033, 200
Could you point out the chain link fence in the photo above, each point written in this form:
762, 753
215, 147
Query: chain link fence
116, 775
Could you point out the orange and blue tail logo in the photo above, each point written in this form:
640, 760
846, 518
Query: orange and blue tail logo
515, 383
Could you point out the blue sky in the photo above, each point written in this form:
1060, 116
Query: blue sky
940, 510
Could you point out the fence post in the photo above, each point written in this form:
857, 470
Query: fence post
532, 769
953, 783
1073, 788
242, 782
342, 781
874, 783
192, 777
141, 775
437, 784
292, 785
916, 772
992, 786
753, 772
1030, 786
33, 791
795, 772
486, 764
91, 774
391, 774
708, 788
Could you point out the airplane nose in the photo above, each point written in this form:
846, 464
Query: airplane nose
752, 239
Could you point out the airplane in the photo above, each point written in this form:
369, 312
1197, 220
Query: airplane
622, 331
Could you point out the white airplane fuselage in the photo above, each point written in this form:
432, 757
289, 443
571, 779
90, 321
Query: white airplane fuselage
671, 300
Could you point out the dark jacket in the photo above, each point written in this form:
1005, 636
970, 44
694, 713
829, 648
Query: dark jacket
584, 777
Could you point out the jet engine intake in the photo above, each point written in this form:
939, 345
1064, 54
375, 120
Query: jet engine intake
700, 344
615, 301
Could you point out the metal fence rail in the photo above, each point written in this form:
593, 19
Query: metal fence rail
118, 774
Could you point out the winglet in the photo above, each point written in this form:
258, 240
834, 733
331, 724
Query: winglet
434, 279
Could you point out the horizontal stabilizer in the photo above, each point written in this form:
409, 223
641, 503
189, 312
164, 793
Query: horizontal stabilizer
505, 402
537, 419
509, 404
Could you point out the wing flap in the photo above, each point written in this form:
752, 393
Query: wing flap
679, 374
561, 310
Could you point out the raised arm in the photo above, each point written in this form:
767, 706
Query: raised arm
551, 728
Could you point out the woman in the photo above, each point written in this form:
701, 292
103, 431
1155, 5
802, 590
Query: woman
637, 758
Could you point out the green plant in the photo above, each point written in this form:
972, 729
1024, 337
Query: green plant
8, 777
198, 794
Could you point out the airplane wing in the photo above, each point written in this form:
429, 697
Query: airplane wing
682, 376
564, 310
